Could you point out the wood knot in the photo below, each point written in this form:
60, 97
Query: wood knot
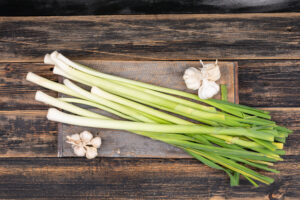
276, 195
289, 29
217, 198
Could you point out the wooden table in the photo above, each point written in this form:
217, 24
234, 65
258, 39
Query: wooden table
266, 47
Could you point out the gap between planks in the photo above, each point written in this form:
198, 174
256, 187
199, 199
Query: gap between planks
154, 16
142, 58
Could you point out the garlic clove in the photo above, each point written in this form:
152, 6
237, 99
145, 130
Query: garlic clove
91, 152
86, 136
96, 142
192, 78
211, 72
73, 139
79, 150
208, 89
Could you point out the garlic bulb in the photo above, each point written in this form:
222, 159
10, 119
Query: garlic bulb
203, 80
84, 144
210, 72
192, 78
208, 89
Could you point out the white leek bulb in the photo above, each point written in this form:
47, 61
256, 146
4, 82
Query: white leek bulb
192, 78
48, 60
208, 89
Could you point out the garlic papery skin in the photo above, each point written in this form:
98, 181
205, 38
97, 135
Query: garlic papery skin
91, 152
211, 72
192, 78
208, 89
73, 139
86, 136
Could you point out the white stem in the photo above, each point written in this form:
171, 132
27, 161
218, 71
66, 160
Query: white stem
156, 113
58, 116
58, 71
58, 62
101, 107
69, 62
34, 78
48, 60
42, 97
102, 101
55, 115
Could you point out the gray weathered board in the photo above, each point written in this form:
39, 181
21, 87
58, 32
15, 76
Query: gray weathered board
116, 143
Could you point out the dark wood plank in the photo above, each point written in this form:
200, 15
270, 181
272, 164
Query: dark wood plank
16, 92
106, 7
269, 83
26, 133
288, 117
152, 37
112, 178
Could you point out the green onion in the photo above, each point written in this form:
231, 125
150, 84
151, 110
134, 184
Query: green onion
224, 92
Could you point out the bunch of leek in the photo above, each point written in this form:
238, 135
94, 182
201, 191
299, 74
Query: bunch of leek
227, 136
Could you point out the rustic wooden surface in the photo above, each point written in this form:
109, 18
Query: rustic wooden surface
130, 178
271, 82
121, 7
152, 37
167, 74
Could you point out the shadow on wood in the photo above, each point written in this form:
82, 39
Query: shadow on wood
107, 7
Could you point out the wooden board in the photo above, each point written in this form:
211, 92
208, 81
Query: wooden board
168, 74
152, 37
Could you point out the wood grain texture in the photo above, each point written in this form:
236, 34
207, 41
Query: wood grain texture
269, 83
16, 92
113, 178
106, 7
152, 37
27, 133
